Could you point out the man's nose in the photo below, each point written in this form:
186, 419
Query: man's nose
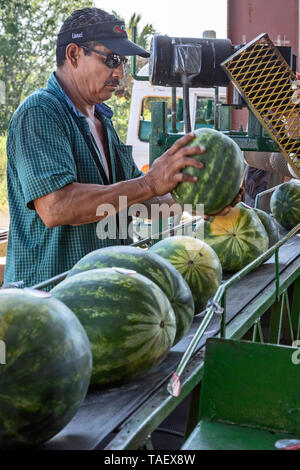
119, 71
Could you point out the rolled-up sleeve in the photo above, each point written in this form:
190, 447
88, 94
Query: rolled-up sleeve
43, 154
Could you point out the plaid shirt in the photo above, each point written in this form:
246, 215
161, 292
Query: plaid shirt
43, 139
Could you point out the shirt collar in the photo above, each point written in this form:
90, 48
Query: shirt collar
55, 87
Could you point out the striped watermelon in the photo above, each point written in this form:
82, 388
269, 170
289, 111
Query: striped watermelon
128, 319
285, 204
238, 238
196, 262
47, 370
268, 221
220, 179
155, 268
270, 225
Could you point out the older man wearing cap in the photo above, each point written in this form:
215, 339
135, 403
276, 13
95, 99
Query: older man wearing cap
65, 159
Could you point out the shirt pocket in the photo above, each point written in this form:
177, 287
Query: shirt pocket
124, 163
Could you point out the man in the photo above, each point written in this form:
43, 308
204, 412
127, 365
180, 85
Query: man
65, 159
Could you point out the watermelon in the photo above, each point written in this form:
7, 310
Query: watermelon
128, 319
270, 225
220, 180
238, 238
196, 262
268, 221
155, 268
285, 204
47, 369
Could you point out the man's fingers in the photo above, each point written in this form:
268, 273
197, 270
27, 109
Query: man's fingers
238, 197
223, 212
194, 150
182, 178
186, 161
181, 143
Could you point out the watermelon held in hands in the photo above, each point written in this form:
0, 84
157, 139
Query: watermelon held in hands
238, 238
128, 319
196, 262
220, 180
155, 268
47, 368
285, 204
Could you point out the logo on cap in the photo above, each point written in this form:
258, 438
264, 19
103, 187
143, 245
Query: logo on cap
119, 28
77, 35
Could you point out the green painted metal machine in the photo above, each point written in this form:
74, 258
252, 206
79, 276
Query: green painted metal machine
262, 74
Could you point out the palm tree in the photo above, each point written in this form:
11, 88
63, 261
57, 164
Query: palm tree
143, 37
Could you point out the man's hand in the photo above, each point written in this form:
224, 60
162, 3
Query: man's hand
227, 209
165, 173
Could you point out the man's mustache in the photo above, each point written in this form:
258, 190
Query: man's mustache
115, 82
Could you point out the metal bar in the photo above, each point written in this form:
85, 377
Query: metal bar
277, 273
254, 332
258, 196
167, 232
274, 322
193, 413
136, 77
53, 280
280, 319
295, 314
174, 128
288, 315
241, 324
223, 318
217, 109
192, 346
260, 332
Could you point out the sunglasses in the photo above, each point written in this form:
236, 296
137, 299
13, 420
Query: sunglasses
112, 60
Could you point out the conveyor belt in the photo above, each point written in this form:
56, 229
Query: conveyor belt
105, 409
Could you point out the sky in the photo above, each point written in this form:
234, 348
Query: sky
188, 18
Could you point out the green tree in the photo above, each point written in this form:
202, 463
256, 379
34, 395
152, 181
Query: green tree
28, 31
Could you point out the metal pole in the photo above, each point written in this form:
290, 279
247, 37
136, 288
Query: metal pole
174, 111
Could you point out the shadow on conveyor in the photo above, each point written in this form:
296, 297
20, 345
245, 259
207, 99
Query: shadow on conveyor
169, 435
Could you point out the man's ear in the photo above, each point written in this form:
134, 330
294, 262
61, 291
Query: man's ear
73, 54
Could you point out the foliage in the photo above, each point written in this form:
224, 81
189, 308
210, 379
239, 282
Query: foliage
28, 30
142, 37
3, 186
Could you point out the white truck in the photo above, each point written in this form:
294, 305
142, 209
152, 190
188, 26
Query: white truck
139, 125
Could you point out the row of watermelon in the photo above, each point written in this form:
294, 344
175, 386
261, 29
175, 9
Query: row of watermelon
245, 233
129, 317
117, 315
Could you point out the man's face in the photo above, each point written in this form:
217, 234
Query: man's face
95, 81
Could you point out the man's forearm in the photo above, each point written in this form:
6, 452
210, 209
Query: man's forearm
78, 204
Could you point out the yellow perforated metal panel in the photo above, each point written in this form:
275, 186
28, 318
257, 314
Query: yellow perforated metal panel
270, 88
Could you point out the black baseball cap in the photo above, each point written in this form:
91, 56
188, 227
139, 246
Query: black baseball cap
111, 34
